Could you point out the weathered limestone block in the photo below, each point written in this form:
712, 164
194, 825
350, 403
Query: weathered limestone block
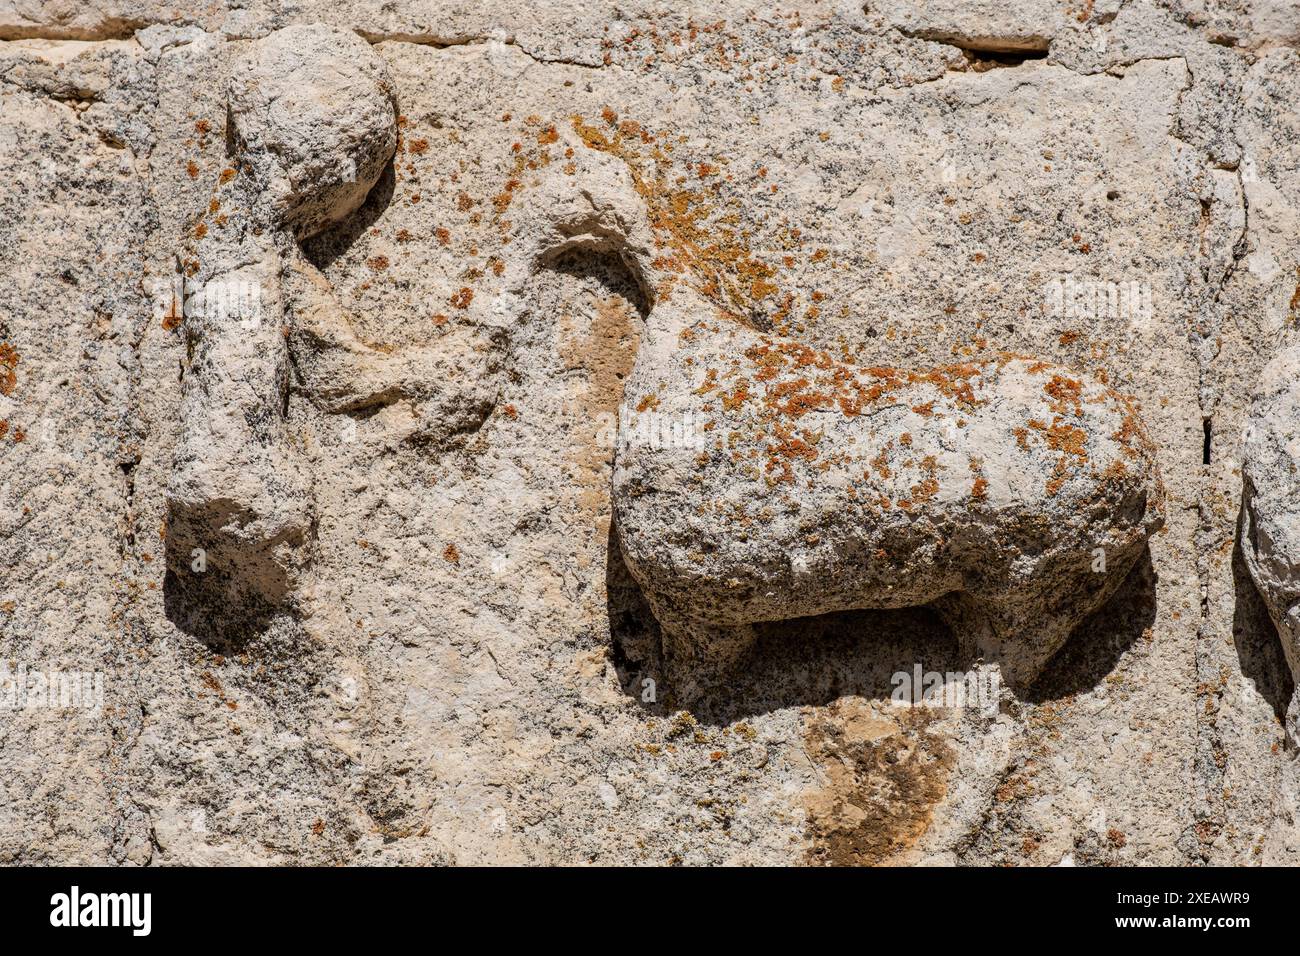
1011, 494
1270, 505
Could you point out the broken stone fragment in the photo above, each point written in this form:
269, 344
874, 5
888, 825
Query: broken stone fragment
1270, 512
1011, 494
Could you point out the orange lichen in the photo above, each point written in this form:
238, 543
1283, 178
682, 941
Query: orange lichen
1069, 441
1130, 434
1066, 395
8, 365
700, 242
174, 316
924, 491
980, 487
502, 200
738, 397
787, 448
881, 461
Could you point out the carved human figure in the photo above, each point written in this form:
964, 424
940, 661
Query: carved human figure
312, 125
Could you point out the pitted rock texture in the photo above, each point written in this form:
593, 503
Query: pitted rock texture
482, 229
1270, 517
1008, 490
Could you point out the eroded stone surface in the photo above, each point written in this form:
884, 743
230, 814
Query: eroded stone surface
461, 672
1270, 528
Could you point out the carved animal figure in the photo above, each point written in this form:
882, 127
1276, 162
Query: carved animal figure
1011, 494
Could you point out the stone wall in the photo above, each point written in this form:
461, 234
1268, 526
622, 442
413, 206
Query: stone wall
462, 432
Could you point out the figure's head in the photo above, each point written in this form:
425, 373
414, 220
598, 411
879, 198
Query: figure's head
313, 117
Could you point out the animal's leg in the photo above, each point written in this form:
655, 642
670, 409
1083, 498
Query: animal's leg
700, 658
1019, 637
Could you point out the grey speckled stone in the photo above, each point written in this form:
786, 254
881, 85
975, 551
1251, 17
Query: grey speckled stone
483, 229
